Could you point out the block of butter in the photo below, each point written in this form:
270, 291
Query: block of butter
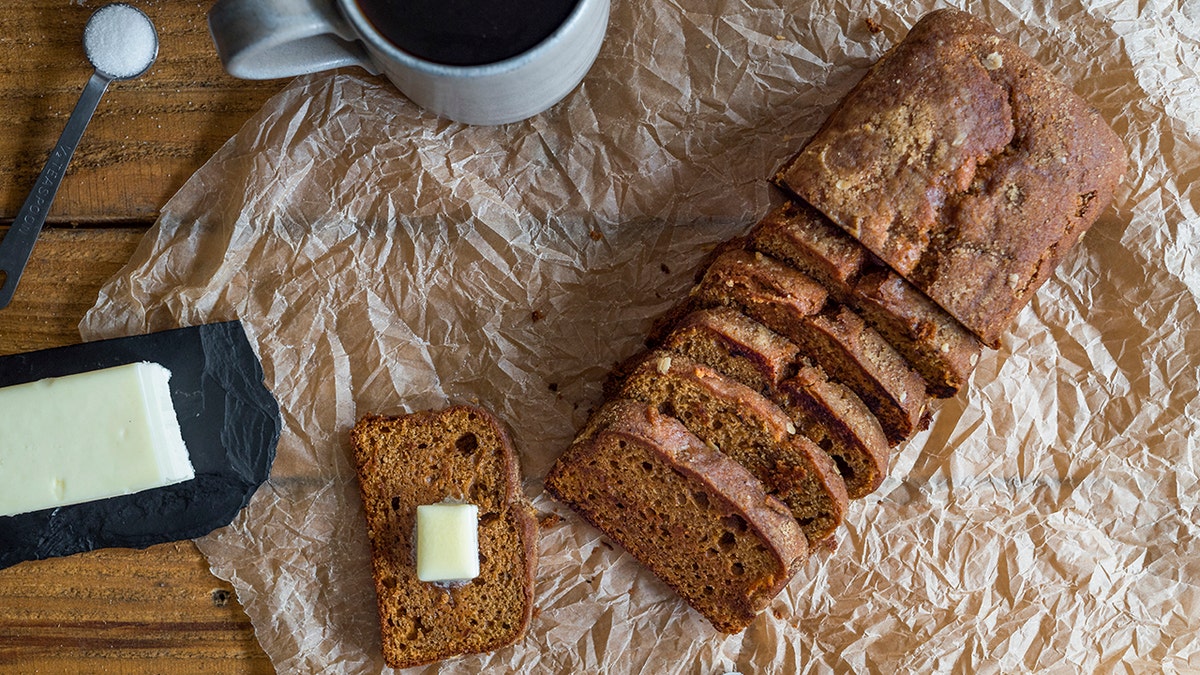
88, 436
447, 542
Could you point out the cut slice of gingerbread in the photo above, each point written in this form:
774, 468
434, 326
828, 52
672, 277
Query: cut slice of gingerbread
692, 515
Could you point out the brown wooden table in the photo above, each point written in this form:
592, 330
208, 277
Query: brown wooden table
113, 611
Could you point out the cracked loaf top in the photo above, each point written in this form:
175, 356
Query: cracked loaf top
965, 166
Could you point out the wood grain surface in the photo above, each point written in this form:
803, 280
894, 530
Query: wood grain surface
113, 611
148, 135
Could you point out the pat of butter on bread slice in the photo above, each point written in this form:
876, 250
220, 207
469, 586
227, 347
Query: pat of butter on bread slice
447, 542
89, 436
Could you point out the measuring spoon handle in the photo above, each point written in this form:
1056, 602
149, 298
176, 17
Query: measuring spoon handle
18, 243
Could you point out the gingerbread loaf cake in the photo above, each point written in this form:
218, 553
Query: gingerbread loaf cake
924, 214
966, 166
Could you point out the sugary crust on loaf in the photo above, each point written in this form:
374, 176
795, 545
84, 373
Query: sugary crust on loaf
937, 346
753, 431
965, 166
460, 453
629, 459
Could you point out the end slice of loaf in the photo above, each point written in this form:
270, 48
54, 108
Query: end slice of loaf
697, 519
825, 412
738, 421
461, 453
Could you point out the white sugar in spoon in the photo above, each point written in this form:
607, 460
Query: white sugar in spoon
121, 44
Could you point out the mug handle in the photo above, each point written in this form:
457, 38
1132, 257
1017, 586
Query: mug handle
267, 39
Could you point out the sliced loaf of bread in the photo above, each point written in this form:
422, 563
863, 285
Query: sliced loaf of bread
696, 518
826, 332
971, 184
461, 454
753, 431
941, 349
825, 412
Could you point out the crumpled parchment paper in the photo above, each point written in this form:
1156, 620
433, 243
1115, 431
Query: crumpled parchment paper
385, 260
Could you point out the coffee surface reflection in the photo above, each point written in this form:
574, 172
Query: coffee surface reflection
466, 32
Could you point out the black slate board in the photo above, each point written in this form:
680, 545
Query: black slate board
229, 420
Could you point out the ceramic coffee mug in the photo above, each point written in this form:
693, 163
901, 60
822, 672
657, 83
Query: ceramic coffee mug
474, 61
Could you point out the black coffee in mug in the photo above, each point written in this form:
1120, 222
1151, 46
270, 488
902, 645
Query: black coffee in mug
466, 32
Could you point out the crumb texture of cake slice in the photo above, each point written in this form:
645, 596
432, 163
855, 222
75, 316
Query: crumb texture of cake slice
832, 416
740, 422
965, 165
694, 517
459, 454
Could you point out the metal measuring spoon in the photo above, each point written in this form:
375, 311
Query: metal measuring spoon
121, 44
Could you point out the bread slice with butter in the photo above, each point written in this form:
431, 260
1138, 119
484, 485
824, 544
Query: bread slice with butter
461, 454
